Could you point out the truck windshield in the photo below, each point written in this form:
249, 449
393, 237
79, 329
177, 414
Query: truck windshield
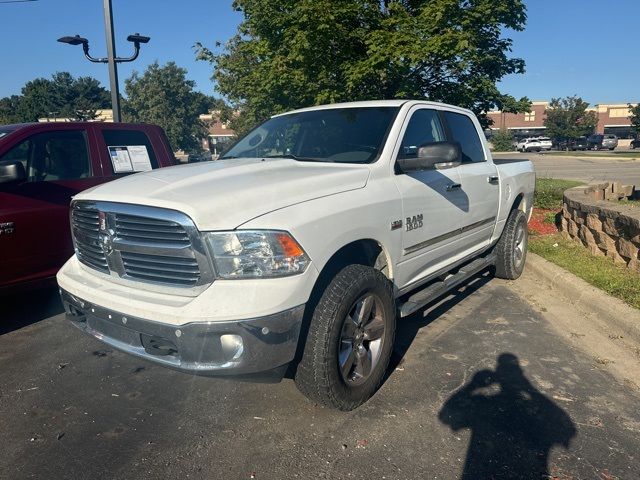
345, 135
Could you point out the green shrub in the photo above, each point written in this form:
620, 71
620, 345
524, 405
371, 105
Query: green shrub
502, 141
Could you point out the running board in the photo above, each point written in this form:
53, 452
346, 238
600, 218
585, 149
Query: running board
439, 288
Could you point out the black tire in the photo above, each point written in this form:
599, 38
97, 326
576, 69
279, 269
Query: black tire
319, 374
511, 249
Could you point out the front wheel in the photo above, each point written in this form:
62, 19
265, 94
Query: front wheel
350, 339
511, 249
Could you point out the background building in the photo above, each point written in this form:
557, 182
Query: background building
612, 118
219, 134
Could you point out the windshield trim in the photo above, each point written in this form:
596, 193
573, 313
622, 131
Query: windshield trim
383, 143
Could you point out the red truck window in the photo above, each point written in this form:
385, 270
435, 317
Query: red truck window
118, 141
51, 156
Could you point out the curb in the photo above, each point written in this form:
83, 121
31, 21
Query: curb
608, 309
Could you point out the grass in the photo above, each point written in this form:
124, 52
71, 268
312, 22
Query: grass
600, 272
549, 192
550, 217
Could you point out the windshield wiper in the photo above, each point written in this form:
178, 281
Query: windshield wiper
295, 157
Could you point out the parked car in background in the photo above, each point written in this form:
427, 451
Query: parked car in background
635, 143
572, 144
199, 156
534, 144
42, 165
602, 142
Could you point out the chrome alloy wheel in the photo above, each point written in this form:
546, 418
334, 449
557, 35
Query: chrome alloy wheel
520, 245
361, 339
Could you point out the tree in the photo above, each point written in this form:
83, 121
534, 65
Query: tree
635, 118
63, 96
295, 53
568, 118
9, 110
502, 141
163, 95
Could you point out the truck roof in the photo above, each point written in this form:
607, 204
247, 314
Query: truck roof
375, 103
35, 127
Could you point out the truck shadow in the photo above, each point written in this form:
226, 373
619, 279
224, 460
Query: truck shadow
407, 328
25, 308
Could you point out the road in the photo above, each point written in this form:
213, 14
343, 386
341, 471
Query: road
496, 379
588, 169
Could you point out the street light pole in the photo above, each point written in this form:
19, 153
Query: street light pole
111, 58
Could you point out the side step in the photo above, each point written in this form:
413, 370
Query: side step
439, 288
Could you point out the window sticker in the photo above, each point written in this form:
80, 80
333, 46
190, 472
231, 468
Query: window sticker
139, 158
132, 158
120, 159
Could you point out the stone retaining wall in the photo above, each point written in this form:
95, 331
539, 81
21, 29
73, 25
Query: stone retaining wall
604, 227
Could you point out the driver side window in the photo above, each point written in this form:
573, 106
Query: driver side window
52, 156
424, 127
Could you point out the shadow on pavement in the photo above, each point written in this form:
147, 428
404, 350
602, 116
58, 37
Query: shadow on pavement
513, 425
28, 307
407, 328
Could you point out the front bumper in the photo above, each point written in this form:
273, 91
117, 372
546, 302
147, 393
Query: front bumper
235, 347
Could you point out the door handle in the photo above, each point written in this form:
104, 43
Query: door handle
493, 179
453, 186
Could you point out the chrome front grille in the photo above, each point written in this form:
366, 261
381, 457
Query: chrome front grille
157, 247
155, 268
130, 227
85, 227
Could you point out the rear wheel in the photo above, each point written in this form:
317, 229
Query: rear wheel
350, 339
511, 249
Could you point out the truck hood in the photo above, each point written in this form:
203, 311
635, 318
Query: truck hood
224, 194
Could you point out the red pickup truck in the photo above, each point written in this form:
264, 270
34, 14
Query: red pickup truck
42, 165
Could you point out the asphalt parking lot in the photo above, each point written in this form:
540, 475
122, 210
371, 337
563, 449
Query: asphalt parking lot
588, 168
488, 383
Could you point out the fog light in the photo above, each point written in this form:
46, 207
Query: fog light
232, 346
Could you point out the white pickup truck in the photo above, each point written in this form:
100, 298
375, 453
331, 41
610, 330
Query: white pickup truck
300, 248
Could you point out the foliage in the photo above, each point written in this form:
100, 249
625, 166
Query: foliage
568, 118
635, 118
163, 95
549, 191
295, 53
600, 272
502, 141
62, 97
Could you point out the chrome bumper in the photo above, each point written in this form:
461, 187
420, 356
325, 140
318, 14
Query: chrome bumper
236, 347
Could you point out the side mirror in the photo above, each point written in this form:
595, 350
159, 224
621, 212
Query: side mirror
12, 171
433, 156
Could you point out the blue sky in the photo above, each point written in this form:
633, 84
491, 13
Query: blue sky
583, 47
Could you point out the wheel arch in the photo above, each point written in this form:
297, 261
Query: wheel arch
365, 251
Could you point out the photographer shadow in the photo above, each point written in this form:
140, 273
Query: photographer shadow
513, 425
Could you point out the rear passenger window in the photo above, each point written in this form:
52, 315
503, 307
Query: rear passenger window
129, 150
464, 132
423, 128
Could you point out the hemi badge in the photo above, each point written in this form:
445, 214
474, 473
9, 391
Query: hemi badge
396, 224
103, 221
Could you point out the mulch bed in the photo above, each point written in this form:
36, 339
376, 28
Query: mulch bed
537, 225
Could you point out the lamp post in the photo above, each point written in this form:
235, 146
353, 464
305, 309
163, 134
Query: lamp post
111, 58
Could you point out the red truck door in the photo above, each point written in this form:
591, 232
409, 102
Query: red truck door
59, 164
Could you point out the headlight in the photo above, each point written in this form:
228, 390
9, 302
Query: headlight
256, 253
